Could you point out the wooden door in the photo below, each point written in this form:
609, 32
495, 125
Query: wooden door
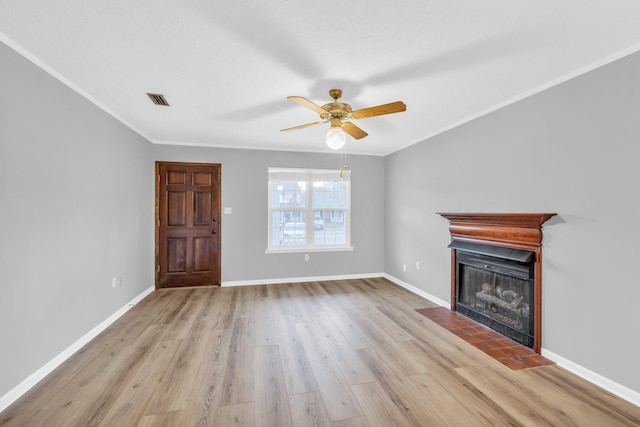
187, 224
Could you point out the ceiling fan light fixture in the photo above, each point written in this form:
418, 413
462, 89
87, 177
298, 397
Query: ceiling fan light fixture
336, 138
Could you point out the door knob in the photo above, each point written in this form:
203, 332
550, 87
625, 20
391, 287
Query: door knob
214, 232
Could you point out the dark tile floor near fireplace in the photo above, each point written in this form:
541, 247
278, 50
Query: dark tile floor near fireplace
508, 352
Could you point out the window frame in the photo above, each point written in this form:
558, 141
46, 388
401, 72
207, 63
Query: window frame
309, 176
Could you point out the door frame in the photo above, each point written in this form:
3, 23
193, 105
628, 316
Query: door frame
218, 251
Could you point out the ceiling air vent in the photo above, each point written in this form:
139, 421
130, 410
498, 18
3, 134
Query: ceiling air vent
158, 99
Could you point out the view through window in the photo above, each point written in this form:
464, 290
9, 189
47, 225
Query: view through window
308, 209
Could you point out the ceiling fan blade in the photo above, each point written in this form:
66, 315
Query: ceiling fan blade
353, 130
379, 110
302, 126
308, 104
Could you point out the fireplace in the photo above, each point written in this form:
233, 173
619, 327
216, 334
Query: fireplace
496, 269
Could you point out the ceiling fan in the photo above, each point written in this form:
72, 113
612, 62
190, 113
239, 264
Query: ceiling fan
337, 112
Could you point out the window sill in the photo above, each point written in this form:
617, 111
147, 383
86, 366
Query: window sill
307, 250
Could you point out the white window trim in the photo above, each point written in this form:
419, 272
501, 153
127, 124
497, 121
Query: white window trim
308, 175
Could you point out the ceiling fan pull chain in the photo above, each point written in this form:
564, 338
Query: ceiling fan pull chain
343, 161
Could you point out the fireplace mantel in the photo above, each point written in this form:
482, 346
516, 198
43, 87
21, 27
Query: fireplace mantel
513, 230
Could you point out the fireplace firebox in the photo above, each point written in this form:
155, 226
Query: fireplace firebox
497, 292
496, 271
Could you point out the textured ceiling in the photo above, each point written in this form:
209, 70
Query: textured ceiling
227, 67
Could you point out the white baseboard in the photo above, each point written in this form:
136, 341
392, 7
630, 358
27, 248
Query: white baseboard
38, 375
595, 378
301, 279
417, 291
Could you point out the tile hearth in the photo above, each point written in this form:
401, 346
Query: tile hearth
504, 350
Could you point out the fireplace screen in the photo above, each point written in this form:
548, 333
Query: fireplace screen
497, 293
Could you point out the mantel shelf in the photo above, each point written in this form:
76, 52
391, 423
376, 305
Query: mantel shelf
505, 228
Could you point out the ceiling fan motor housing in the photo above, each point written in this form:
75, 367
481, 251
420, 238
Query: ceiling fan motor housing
336, 110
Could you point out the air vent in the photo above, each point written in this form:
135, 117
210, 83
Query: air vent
158, 99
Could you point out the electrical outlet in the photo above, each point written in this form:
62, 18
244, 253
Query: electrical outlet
306, 257
404, 267
417, 265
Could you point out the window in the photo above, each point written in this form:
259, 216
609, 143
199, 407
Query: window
309, 209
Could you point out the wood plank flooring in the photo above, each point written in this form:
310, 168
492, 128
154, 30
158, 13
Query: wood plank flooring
339, 353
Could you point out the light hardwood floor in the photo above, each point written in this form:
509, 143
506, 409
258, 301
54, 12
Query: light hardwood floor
339, 353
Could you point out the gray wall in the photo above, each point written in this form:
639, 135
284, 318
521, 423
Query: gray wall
76, 195
244, 232
573, 150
